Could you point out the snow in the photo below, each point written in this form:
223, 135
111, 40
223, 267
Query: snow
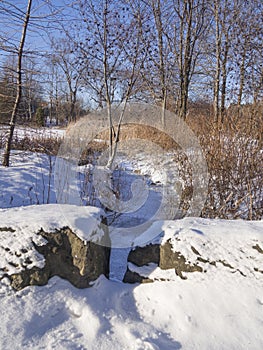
203, 312
231, 243
216, 312
30, 132
28, 181
217, 309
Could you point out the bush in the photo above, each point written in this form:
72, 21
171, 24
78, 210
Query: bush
234, 155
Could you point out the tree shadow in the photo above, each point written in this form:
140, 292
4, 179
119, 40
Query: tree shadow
29, 182
40, 324
110, 305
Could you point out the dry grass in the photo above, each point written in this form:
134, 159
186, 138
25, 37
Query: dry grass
233, 150
146, 132
234, 154
38, 143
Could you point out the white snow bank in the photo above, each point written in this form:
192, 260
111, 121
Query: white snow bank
211, 311
28, 181
199, 313
161, 231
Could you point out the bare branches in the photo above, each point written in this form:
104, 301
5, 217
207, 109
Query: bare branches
18, 85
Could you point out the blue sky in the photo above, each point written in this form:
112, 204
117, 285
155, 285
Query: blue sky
41, 26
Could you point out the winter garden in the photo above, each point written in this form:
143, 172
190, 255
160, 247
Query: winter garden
131, 188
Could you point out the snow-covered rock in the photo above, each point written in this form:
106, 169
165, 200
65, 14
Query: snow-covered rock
40, 242
190, 245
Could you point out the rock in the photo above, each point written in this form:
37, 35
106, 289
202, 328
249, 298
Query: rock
257, 247
6, 229
67, 256
170, 259
134, 277
141, 256
162, 255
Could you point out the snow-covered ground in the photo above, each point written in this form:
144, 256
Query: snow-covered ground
221, 308
199, 313
28, 181
30, 132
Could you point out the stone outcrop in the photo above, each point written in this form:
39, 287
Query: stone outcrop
163, 256
39, 243
179, 255
67, 256
170, 259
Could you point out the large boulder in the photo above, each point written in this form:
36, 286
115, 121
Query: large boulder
32, 258
175, 249
68, 257
160, 255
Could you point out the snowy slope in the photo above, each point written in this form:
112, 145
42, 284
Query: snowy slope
28, 181
30, 132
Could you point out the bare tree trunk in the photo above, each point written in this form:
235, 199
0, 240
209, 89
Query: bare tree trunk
191, 27
73, 99
57, 105
187, 63
242, 79
106, 77
51, 109
259, 85
131, 83
156, 6
6, 158
224, 81
181, 65
73, 88
217, 71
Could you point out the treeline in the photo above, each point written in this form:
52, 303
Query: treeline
176, 53
201, 59
38, 106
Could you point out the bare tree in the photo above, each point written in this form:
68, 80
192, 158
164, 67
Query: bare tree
71, 70
7, 89
192, 25
6, 157
175, 37
155, 72
162, 72
31, 90
111, 53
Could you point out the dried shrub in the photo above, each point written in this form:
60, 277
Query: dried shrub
234, 155
37, 141
48, 145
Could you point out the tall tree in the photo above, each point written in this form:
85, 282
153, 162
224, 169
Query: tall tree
176, 34
6, 157
191, 28
68, 64
162, 67
110, 50
7, 89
